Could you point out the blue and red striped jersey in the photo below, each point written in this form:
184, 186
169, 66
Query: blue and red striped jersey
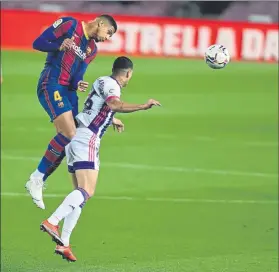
65, 67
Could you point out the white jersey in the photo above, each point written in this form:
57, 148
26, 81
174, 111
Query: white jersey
97, 115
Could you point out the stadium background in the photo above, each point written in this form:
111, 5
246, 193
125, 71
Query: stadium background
191, 186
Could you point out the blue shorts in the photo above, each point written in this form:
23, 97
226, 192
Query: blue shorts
57, 99
73, 98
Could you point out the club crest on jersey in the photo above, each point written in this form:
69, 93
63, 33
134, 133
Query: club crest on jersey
78, 51
88, 51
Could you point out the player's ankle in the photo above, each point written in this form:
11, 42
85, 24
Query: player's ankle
38, 174
53, 220
66, 243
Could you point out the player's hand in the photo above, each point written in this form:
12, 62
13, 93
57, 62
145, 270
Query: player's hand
118, 125
82, 86
150, 103
67, 44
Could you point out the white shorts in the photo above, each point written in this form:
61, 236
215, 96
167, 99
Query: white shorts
83, 151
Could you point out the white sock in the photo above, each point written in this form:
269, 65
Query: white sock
69, 224
73, 200
37, 173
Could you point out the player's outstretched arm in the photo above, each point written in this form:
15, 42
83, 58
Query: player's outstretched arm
119, 106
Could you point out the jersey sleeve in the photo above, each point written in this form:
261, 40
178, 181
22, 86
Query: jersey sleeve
49, 40
109, 90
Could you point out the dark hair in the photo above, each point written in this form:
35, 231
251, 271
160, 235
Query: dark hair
122, 63
110, 19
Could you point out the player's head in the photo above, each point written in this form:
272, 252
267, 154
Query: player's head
122, 69
102, 28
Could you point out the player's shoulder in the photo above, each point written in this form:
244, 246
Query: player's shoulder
108, 80
106, 83
69, 18
63, 20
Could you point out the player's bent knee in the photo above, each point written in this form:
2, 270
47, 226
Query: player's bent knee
87, 180
65, 124
88, 188
91, 192
70, 134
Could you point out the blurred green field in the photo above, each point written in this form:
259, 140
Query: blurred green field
191, 186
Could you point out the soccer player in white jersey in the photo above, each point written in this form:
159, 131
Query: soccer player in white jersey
83, 151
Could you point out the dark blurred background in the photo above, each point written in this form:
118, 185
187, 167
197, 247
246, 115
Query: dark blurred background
263, 11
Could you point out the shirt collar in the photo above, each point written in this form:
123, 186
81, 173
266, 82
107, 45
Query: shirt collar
84, 31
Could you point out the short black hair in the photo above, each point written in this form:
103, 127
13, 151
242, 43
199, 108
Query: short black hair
122, 63
110, 19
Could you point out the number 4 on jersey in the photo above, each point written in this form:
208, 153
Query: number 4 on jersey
57, 96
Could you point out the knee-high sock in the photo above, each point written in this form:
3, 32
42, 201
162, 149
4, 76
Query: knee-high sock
53, 154
75, 199
69, 224
55, 166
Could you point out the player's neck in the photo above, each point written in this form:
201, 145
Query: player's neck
119, 80
88, 30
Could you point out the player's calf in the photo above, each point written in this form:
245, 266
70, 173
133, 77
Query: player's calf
75, 199
54, 166
73, 202
52, 158
71, 207
55, 152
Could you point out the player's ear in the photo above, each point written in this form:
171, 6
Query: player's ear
101, 23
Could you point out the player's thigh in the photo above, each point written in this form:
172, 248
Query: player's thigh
87, 179
70, 159
83, 159
74, 181
65, 124
73, 99
54, 99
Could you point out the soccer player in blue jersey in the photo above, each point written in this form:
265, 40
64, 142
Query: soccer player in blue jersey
71, 46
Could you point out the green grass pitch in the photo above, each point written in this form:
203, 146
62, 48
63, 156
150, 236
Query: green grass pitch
188, 187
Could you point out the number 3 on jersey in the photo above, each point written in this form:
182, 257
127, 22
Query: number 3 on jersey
57, 96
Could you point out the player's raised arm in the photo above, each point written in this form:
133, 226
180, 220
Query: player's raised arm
50, 40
